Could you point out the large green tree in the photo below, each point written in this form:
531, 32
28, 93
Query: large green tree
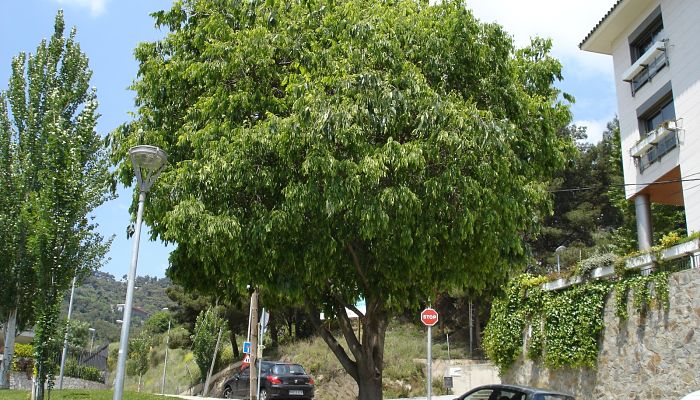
331, 151
56, 172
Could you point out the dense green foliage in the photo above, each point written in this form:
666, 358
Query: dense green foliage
54, 175
330, 152
584, 215
563, 327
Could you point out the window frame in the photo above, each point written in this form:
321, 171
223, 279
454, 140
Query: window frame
656, 105
648, 33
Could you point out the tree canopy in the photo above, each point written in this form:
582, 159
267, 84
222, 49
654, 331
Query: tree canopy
356, 149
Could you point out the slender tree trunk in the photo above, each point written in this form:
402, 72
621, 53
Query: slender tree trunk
477, 324
253, 392
10, 334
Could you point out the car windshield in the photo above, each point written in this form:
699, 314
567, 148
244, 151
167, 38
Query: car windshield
283, 369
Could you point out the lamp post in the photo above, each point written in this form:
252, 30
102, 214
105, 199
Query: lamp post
148, 163
558, 250
92, 341
165, 363
65, 337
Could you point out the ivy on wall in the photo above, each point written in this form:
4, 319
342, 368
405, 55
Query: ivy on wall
562, 327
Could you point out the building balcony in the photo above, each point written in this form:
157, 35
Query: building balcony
653, 138
644, 61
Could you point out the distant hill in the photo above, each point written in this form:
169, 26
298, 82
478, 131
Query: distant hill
96, 300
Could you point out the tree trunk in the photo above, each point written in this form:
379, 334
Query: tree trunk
367, 366
10, 334
234, 347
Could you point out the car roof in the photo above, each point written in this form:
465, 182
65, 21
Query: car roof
526, 389
279, 363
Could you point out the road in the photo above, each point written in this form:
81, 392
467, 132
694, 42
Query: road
447, 397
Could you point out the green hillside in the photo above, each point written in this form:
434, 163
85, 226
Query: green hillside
97, 296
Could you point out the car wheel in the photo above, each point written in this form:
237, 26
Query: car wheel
227, 392
263, 394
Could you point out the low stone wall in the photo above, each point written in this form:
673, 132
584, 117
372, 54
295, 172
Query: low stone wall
19, 380
656, 357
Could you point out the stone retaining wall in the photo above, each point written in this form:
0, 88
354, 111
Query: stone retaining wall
657, 357
19, 380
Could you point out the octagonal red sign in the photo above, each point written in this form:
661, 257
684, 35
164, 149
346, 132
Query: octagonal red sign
429, 317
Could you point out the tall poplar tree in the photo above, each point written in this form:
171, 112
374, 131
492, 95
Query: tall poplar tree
327, 152
55, 173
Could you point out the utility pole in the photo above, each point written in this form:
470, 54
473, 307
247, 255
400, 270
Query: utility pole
254, 345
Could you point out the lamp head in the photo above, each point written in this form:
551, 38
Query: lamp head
148, 162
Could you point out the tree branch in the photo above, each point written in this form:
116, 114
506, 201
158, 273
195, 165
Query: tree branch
358, 267
349, 365
346, 327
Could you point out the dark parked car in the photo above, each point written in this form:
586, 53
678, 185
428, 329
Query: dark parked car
278, 380
511, 392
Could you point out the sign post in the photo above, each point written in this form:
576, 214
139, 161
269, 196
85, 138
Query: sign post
429, 318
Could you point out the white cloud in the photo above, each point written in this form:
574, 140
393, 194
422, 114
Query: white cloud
567, 23
96, 7
594, 129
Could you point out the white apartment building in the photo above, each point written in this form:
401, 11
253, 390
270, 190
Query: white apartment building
655, 45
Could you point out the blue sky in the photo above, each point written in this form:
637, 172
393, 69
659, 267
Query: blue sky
109, 30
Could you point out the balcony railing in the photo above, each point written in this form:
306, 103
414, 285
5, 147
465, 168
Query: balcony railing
653, 138
641, 262
646, 66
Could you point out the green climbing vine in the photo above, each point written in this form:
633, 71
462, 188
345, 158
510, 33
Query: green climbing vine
563, 327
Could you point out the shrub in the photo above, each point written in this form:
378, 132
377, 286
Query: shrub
179, 338
225, 357
89, 373
23, 359
24, 350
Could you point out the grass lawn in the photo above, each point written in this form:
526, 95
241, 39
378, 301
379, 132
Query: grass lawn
78, 394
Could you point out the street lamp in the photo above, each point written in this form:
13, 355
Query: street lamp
92, 341
148, 163
558, 250
65, 337
167, 344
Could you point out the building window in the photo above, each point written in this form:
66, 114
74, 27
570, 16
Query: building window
654, 122
645, 52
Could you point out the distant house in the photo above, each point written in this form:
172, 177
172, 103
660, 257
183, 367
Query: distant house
135, 311
654, 46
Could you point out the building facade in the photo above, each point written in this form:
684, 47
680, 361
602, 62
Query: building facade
656, 58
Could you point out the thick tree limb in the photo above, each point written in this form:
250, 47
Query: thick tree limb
347, 363
348, 332
352, 307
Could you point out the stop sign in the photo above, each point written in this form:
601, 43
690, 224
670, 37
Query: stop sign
429, 317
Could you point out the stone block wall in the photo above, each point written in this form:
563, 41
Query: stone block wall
20, 381
653, 357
